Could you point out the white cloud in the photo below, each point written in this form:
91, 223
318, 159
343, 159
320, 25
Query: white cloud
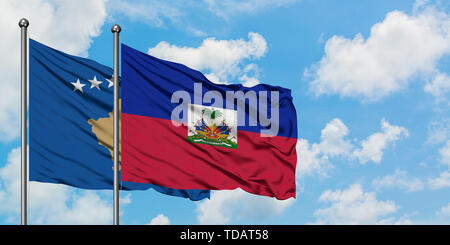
250, 74
311, 160
443, 180
152, 12
439, 86
227, 8
444, 211
219, 59
402, 220
445, 153
372, 148
316, 158
195, 31
332, 138
160, 13
50, 203
439, 131
249, 81
419, 5
125, 200
440, 182
87, 208
65, 25
399, 180
160, 219
354, 206
178, 13
385, 62
230, 206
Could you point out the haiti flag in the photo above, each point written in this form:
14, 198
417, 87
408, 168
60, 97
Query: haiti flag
180, 130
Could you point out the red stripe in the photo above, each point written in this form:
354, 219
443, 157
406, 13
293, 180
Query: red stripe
155, 151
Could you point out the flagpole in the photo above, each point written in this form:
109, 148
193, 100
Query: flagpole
116, 30
23, 24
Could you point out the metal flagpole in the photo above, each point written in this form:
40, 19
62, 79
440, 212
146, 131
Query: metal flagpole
23, 24
116, 30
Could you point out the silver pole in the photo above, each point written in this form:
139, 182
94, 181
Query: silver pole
116, 30
23, 24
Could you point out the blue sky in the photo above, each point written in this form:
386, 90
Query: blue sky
370, 82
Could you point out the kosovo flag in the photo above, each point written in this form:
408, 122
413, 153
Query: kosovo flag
71, 123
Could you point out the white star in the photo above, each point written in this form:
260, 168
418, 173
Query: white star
95, 83
111, 83
78, 86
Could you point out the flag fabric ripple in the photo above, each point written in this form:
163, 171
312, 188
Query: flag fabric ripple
170, 139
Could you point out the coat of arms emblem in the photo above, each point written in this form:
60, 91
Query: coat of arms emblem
212, 126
